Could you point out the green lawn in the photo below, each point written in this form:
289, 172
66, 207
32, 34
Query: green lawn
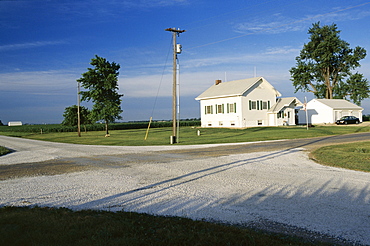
355, 156
188, 135
51, 226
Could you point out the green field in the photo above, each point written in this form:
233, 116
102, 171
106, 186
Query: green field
187, 135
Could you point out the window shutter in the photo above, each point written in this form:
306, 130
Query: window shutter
258, 105
216, 109
234, 107
250, 105
268, 104
223, 108
228, 108
205, 109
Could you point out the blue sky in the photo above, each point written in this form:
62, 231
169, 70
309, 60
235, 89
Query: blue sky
46, 45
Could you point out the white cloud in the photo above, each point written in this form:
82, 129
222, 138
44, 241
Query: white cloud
154, 3
29, 45
278, 23
282, 50
40, 82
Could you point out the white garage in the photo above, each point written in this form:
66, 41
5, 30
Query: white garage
326, 111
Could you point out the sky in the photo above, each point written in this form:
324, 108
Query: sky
46, 45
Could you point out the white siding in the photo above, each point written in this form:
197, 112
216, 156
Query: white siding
259, 93
221, 119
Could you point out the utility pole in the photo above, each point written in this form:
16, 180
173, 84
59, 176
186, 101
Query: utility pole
78, 110
176, 50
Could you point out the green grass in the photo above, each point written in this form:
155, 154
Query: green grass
50, 226
188, 135
4, 151
355, 156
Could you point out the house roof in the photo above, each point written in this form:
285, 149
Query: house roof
338, 104
284, 102
233, 88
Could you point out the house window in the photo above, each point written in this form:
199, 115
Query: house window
219, 108
252, 105
209, 109
220, 123
232, 123
264, 105
231, 107
209, 123
280, 114
259, 105
259, 122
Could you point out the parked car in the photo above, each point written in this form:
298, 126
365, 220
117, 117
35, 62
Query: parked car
348, 120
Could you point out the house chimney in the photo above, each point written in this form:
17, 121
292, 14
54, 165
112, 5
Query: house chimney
218, 81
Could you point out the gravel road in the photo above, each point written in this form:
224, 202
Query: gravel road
281, 187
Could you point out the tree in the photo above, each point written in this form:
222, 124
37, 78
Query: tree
324, 66
102, 84
70, 116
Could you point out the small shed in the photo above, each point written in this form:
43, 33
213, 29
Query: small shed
14, 123
326, 111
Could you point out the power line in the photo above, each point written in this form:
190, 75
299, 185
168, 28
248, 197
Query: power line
283, 25
160, 82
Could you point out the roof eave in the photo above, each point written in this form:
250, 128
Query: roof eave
215, 97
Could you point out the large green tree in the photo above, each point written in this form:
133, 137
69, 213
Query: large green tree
325, 64
101, 83
71, 118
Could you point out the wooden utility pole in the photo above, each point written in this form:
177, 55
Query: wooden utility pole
78, 111
176, 50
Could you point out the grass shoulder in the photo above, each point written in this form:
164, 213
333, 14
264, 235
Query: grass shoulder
60, 226
355, 156
4, 151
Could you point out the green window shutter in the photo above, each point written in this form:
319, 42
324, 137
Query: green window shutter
268, 104
250, 105
211, 109
258, 105
216, 109
228, 108
223, 108
234, 107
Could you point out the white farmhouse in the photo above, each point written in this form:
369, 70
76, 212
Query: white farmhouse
245, 103
326, 111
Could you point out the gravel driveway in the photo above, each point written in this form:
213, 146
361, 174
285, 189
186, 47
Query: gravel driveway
282, 187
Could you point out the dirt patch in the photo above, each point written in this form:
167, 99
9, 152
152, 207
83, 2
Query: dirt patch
39, 169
